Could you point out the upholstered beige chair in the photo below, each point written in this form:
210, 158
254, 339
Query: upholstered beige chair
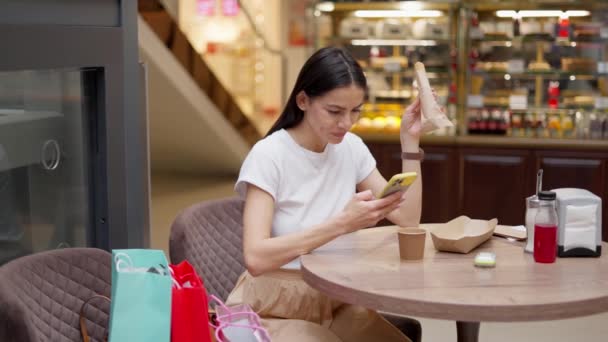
209, 236
41, 295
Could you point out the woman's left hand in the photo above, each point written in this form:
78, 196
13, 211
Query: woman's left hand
411, 121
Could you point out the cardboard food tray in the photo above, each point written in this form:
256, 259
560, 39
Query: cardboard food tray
510, 232
462, 234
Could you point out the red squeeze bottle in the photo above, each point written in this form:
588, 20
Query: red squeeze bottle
545, 229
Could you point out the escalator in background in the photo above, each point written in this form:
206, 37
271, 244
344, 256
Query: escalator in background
167, 30
196, 124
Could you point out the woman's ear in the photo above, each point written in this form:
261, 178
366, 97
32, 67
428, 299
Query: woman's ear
302, 100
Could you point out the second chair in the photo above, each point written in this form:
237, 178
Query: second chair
209, 236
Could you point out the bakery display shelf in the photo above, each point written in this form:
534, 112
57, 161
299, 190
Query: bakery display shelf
507, 41
549, 110
439, 73
491, 141
350, 6
496, 40
389, 42
391, 94
556, 74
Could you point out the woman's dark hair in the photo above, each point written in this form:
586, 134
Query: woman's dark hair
327, 69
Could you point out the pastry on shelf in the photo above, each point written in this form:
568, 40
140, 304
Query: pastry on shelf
542, 66
580, 100
393, 94
496, 36
393, 124
378, 123
499, 101
492, 66
580, 64
364, 124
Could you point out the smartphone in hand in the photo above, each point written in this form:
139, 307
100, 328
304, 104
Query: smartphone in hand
399, 182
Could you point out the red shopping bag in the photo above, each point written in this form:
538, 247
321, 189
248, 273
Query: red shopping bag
189, 306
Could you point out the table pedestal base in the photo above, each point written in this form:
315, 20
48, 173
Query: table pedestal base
467, 331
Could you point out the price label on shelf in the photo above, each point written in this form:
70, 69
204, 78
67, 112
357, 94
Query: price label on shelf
602, 67
518, 102
604, 32
516, 66
392, 66
475, 101
601, 102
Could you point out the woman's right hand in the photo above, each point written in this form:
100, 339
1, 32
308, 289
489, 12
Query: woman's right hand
364, 210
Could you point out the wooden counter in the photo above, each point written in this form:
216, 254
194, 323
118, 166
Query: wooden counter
495, 141
485, 177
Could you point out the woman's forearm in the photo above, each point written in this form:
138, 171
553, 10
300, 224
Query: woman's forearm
409, 214
271, 253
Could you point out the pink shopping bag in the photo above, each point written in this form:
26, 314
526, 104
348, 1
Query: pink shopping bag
238, 323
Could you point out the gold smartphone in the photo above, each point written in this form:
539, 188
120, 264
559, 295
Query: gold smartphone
399, 182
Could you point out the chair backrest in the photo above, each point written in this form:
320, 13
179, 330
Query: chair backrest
41, 295
209, 236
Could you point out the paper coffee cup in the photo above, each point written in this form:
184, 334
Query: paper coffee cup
411, 243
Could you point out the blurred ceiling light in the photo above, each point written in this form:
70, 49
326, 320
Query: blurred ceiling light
395, 42
326, 6
540, 13
398, 13
577, 13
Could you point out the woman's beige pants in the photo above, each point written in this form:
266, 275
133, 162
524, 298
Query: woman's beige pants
293, 311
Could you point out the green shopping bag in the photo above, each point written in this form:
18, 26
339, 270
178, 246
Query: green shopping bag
141, 296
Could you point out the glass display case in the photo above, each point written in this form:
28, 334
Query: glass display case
531, 69
537, 70
387, 38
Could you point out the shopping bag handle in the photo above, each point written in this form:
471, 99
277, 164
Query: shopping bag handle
230, 313
83, 325
222, 325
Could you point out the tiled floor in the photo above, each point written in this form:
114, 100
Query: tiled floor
173, 193
170, 194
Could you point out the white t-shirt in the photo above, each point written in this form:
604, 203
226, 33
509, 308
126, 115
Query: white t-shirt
308, 187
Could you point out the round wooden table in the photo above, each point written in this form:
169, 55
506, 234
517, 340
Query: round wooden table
364, 268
